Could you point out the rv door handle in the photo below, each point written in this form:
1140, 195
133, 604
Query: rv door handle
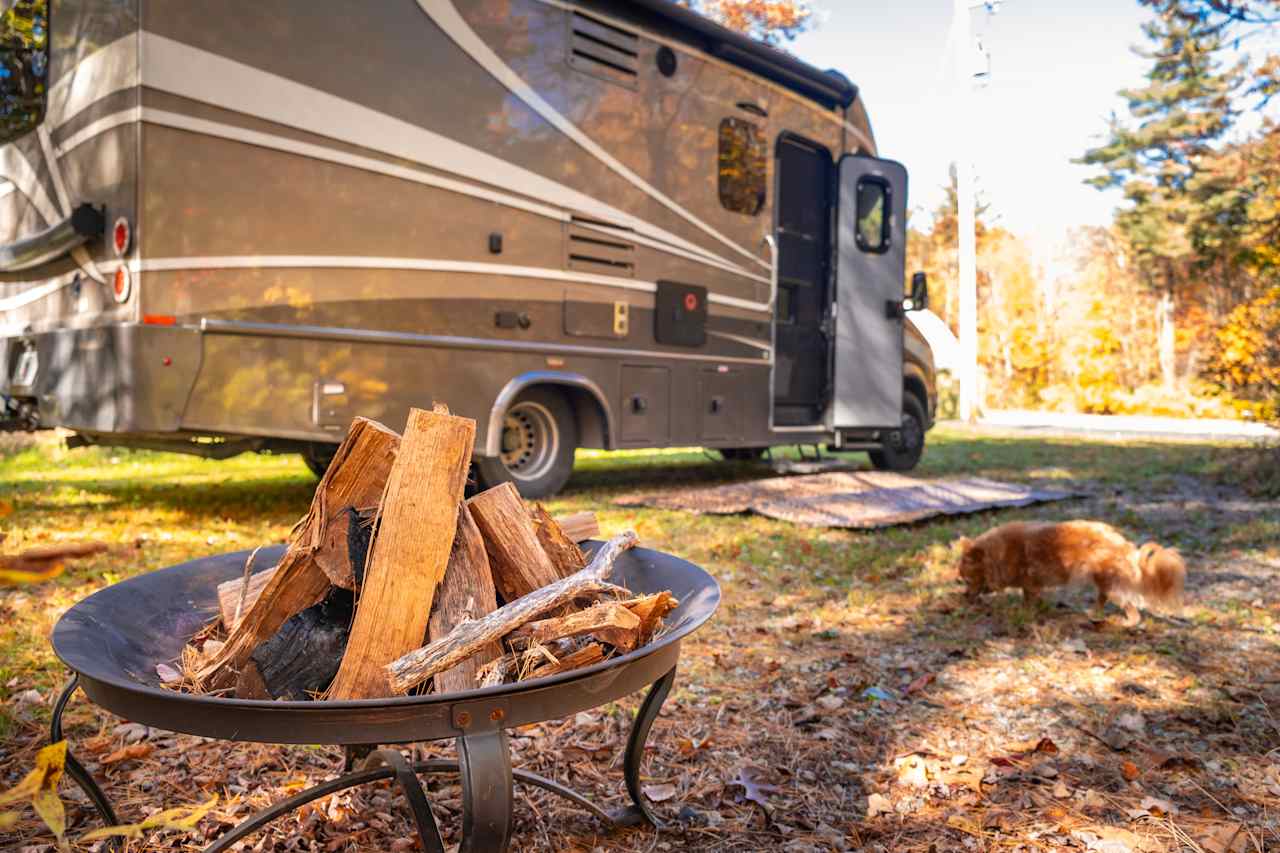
893, 309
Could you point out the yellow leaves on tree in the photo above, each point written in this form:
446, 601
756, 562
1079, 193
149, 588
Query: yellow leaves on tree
1246, 354
770, 21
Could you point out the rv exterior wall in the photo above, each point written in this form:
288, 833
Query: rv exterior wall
304, 223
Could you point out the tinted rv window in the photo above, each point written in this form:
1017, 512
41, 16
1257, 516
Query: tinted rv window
24, 66
743, 166
873, 220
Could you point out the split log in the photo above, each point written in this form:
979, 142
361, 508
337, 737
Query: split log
301, 659
565, 555
519, 563
417, 520
356, 477
346, 546
609, 622
465, 593
229, 596
651, 609
585, 656
580, 526
468, 638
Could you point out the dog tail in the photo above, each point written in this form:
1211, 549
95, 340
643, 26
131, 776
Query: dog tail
1161, 575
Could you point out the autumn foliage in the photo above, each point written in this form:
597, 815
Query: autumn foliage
770, 21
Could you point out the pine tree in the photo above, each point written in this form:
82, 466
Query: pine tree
1155, 157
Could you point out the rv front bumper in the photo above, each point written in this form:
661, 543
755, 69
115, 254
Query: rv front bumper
124, 377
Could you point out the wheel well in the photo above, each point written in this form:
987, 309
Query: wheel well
593, 428
585, 399
913, 386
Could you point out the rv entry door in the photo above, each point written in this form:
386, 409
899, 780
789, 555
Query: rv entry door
871, 224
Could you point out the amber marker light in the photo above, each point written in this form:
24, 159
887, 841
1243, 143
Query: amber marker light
121, 284
159, 319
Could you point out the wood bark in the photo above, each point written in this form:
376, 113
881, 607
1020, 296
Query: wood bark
580, 526
585, 656
609, 622
465, 593
564, 553
301, 659
519, 563
356, 477
346, 545
468, 638
417, 520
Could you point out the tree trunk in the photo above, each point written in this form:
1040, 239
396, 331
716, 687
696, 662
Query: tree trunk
1167, 338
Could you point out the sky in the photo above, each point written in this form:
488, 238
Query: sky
1056, 66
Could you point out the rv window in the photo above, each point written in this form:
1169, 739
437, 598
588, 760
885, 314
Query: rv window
873, 223
743, 166
24, 66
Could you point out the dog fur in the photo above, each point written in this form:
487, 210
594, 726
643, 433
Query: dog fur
1037, 555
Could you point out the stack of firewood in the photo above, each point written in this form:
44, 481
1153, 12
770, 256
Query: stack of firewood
392, 584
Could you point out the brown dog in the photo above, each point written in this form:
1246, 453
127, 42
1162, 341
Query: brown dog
1037, 555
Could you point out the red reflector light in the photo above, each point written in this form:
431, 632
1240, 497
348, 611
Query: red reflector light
159, 319
121, 284
120, 236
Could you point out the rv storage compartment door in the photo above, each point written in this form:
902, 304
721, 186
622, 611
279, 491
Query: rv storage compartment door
871, 227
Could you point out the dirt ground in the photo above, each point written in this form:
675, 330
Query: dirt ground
845, 697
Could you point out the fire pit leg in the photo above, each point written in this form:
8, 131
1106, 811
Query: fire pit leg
639, 811
413, 793
485, 761
76, 770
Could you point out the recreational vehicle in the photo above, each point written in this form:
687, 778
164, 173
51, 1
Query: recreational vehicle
583, 223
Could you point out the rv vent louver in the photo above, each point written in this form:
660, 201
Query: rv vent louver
603, 50
601, 248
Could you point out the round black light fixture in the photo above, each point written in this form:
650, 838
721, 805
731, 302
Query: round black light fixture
666, 61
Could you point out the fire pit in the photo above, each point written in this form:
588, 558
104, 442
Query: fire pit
114, 639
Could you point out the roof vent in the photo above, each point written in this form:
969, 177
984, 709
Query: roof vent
600, 248
603, 50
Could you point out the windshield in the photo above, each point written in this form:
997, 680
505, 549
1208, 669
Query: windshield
24, 66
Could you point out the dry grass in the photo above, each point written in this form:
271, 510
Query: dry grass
842, 670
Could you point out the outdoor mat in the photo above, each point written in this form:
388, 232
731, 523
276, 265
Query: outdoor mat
854, 499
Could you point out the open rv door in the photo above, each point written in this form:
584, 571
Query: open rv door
871, 226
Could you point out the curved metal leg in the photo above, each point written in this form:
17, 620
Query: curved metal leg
485, 761
639, 810
75, 769
427, 829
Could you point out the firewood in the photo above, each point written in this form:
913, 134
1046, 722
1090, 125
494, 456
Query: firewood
356, 477
651, 609
417, 520
585, 656
519, 563
468, 638
580, 526
565, 555
249, 683
229, 596
509, 666
346, 545
465, 593
608, 621
301, 659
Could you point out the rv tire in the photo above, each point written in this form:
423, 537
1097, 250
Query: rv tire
539, 437
318, 456
904, 453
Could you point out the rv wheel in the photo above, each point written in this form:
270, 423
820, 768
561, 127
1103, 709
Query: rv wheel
539, 436
904, 453
318, 457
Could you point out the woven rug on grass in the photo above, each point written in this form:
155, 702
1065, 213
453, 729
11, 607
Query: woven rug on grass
854, 499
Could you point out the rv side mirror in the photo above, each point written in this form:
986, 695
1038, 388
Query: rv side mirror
919, 291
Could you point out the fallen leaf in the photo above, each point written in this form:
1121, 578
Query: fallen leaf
1130, 771
829, 703
131, 752
755, 790
912, 771
168, 675
690, 745
1226, 838
878, 805
919, 683
659, 793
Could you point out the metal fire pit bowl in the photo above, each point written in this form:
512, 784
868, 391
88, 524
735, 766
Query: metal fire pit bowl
114, 639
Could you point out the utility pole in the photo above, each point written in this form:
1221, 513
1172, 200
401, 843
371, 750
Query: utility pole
966, 200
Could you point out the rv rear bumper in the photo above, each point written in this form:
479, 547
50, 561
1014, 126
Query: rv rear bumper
119, 378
